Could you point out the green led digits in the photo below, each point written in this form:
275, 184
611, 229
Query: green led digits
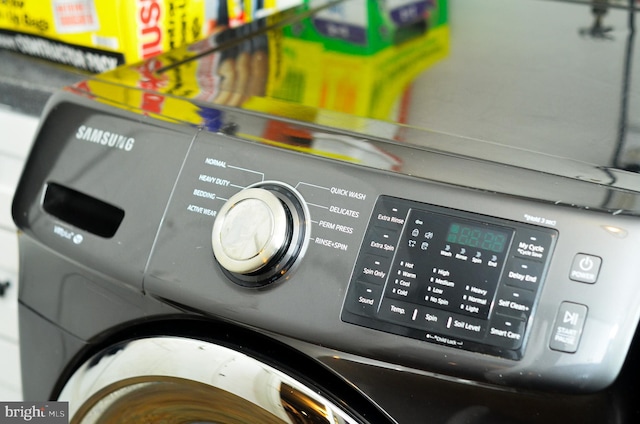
477, 237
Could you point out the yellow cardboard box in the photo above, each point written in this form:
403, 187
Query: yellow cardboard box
98, 35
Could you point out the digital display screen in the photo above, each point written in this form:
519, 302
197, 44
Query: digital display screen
477, 237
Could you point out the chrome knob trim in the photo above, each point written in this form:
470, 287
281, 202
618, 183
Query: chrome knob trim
261, 233
249, 231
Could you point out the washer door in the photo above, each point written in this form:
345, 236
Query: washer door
179, 380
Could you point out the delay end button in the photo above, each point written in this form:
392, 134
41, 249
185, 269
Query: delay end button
585, 268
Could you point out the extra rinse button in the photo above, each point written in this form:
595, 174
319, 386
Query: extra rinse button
585, 268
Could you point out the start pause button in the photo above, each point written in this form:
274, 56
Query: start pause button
568, 327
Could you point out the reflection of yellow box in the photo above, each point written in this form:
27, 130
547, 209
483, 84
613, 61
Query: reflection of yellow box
358, 58
97, 35
367, 86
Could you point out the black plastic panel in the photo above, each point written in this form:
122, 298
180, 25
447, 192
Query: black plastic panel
81, 210
449, 277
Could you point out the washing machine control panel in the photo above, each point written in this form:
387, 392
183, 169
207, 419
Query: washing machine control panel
448, 277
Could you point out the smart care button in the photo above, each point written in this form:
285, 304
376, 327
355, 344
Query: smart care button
585, 268
506, 332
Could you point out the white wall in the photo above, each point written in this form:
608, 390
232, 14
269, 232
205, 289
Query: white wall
16, 134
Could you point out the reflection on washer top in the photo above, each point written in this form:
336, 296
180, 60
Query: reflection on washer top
549, 98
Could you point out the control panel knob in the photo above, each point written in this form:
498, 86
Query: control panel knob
259, 233
250, 230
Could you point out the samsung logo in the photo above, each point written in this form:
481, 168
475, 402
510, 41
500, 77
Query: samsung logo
105, 138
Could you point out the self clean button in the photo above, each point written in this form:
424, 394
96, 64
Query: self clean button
585, 268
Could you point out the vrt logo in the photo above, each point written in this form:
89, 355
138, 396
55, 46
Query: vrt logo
68, 234
36, 412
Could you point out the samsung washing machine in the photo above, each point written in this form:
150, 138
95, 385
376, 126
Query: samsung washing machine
433, 217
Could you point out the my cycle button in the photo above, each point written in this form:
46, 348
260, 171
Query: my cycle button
585, 268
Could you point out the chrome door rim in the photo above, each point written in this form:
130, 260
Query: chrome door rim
181, 380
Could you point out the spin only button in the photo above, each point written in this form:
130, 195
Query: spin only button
374, 269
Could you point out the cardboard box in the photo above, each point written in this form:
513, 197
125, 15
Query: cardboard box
98, 35
362, 28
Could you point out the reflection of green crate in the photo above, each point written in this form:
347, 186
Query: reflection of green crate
363, 27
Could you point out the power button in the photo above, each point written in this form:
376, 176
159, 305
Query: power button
585, 268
